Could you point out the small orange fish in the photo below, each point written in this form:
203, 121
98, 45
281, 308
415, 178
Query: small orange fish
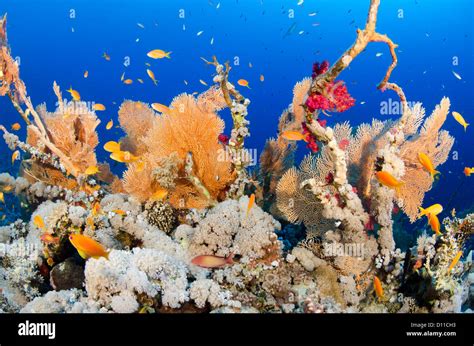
106, 56
152, 76
418, 264
160, 108
468, 171
243, 82
74, 93
109, 125
87, 247
251, 203
159, 195
427, 164
388, 180
98, 107
112, 146
120, 212
38, 221
158, 54
95, 208
15, 156
128, 81
210, 261
378, 288
86, 74
293, 136
434, 209
7, 188
262, 78
434, 223
91, 170
16, 126
455, 260
2, 197
123, 156
140, 166
49, 239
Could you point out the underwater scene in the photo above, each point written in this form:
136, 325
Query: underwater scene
236, 156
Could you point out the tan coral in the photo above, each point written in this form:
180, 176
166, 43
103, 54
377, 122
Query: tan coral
136, 118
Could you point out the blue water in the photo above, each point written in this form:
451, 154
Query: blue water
430, 34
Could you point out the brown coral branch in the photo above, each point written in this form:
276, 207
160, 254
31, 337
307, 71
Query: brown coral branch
364, 37
196, 181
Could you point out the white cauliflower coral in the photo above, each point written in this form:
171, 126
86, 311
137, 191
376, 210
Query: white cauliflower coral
228, 228
147, 271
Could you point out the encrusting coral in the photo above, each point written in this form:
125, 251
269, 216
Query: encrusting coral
189, 228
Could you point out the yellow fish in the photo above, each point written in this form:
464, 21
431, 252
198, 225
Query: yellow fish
455, 260
98, 107
251, 203
159, 195
468, 171
112, 146
434, 209
86, 74
293, 136
88, 247
458, 117
2, 197
95, 208
160, 108
427, 164
91, 170
152, 76
15, 156
109, 125
378, 288
158, 54
128, 81
106, 56
434, 223
119, 212
16, 126
123, 156
74, 94
388, 180
243, 82
38, 221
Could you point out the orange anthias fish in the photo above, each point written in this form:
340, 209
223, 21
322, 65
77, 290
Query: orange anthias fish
48, 238
210, 261
95, 208
91, 170
120, 212
160, 108
86, 74
112, 146
16, 126
293, 136
251, 203
378, 288
152, 76
243, 82
455, 260
159, 195
468, 171
262, 78
128, 81
38, 221
88, 247
158, 54
98, 107
123, 156
15, 156
427, 164
388, 180
2, 197
109, 125
434, 223
106, 56
74, 94
434, 209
